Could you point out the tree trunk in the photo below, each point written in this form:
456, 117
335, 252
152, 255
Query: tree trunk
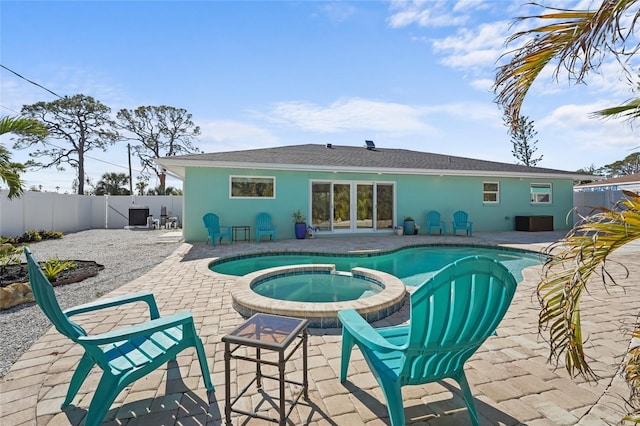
80, 173
163, 178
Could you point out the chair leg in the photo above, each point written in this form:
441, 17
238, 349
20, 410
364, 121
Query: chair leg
105, 394
393, 394
202, 359
468, 397
82, 371
347, 346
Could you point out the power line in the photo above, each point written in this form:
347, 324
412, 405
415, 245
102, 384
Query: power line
12, 110
30, 81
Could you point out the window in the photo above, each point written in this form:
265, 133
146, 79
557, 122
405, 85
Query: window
490, 192
252, 187
540, 193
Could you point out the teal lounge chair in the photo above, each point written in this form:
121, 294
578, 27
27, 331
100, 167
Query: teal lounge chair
452, 314
125, 354
216, 232
265, 227
434, 222
461, 223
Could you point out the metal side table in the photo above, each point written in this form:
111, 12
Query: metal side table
246, 233
267, 332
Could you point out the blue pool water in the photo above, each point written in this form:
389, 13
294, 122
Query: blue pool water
316, 287
413, 265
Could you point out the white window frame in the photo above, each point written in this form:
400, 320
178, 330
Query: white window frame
496, 192
536, 196
353, 196
236, 197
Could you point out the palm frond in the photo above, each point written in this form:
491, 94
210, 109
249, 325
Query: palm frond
21, 125
628, 111
571, 263
576, 40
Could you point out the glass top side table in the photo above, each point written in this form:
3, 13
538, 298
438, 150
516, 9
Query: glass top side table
266, 332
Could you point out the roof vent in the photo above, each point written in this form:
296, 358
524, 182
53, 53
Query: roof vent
329, 145
370, 145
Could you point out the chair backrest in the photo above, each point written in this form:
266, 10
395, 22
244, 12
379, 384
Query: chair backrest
46, 300
263, 221
211, 222
461, 217
433, 218
452, 314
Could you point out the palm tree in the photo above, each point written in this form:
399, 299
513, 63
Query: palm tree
113, 184
578, 41
10, 171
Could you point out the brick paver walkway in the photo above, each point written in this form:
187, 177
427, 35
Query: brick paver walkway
509, 376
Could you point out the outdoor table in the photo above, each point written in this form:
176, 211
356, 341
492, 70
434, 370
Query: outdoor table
266, 332
246, 236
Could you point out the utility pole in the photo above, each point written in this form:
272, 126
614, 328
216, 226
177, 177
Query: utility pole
130, 175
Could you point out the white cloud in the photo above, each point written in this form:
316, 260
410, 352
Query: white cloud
483, 84
338, 12
350, 114
228, 135
588, 133
426, 14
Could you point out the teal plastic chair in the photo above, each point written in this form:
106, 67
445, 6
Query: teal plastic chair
452, 314
216, 232
124, 354
265, 227
434, 222
461, 223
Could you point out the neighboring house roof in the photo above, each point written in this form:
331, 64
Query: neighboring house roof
620, 182
352, 159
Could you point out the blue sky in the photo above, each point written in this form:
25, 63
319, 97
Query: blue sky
412, 75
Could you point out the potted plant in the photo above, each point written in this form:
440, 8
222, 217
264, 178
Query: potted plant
409, 225
300, 224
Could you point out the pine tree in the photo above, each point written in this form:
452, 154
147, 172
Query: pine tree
523, 139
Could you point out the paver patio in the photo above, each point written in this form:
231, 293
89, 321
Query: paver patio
509, 376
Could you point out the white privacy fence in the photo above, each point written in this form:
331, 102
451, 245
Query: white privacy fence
586, 201
51, 211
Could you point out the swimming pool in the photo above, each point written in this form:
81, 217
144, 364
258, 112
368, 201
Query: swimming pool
412, 265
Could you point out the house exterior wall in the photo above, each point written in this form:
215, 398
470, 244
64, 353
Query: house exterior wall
207, 190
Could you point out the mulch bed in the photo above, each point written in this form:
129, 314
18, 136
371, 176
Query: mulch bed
17, 273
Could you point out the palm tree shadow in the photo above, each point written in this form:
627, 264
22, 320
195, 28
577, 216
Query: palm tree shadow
438, 412
178, 402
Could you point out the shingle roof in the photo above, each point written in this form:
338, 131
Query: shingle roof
620, 179
320, 157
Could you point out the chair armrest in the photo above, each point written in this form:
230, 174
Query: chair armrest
143, 296
363, 333
143, 329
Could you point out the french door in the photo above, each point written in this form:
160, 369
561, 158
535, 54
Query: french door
350, 206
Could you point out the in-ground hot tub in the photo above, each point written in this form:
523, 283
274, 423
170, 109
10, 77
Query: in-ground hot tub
382, 294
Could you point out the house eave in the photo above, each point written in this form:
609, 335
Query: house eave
178, 167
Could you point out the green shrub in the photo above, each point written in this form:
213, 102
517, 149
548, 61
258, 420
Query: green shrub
8, 255
31, 236
51, 235
54, 266
9, 240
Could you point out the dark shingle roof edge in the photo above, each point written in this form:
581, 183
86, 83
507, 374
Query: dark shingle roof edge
315, 157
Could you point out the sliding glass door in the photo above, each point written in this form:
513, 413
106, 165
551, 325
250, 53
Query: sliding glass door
352, 206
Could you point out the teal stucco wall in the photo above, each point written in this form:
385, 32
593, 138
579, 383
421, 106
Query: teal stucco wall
207, 190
